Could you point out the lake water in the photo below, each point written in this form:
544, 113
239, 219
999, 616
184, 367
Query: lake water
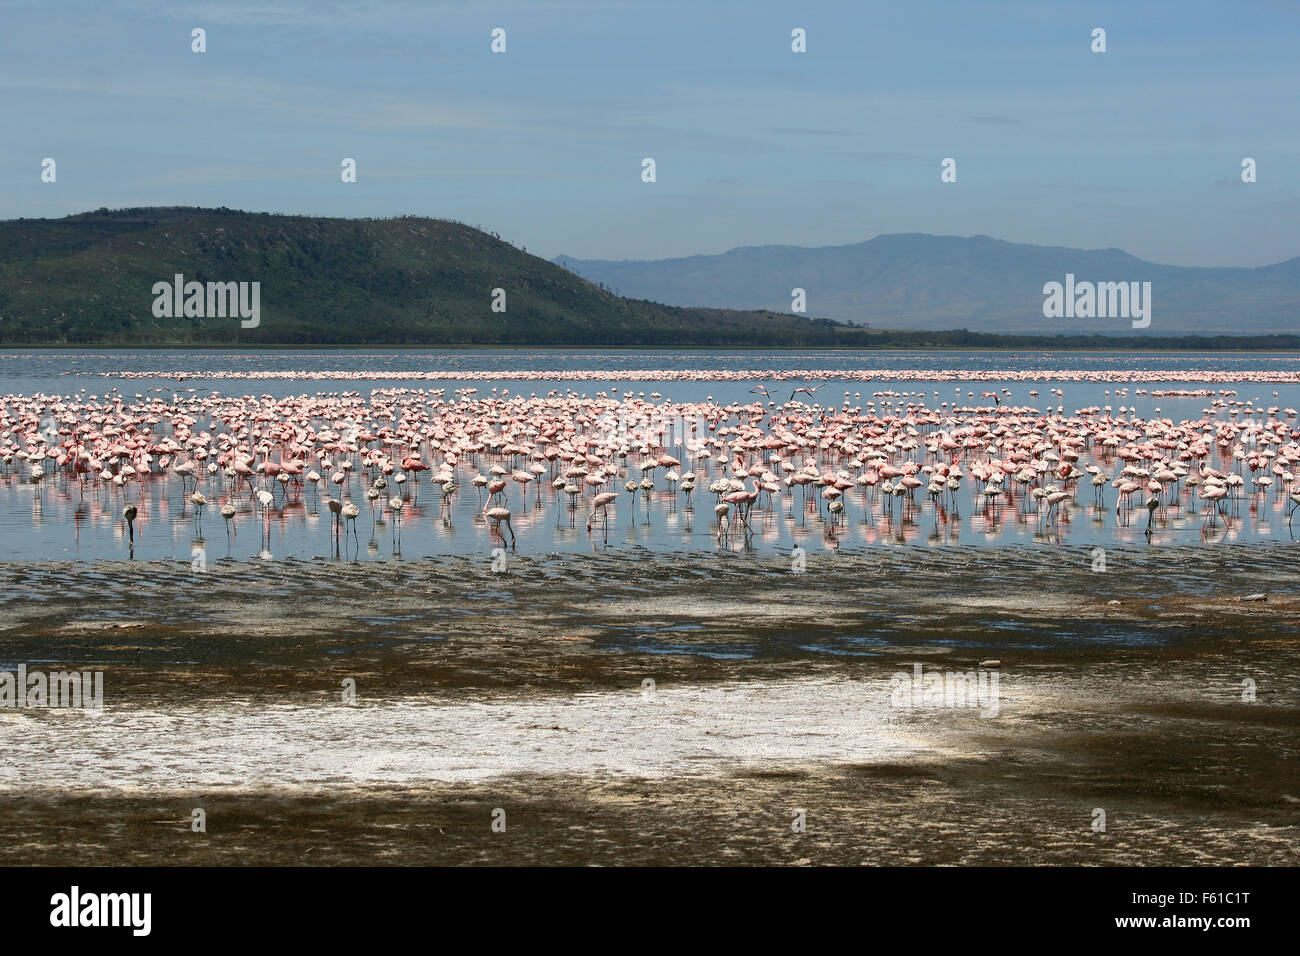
61, 518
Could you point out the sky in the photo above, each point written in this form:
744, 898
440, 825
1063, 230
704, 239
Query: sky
1138, 148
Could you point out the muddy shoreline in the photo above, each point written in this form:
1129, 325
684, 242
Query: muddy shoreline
524, 690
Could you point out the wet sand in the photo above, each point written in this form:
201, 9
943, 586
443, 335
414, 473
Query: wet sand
523, 690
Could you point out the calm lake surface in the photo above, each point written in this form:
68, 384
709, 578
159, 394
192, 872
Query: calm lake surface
61, 519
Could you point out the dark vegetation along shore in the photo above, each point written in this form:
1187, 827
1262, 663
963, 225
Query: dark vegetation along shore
524, 690
87, 280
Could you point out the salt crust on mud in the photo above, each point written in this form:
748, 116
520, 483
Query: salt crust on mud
688, 730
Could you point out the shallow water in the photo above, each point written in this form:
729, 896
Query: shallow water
60, 520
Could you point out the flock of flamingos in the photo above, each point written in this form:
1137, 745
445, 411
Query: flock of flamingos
880, 454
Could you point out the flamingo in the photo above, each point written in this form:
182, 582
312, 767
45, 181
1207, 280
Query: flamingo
601, 503
1153, 505
395, 505
1213, 494
806, 390
334, 508
350, 512
199, 502
497, 515
721, 511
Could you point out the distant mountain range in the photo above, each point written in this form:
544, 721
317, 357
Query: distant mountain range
93, 279
90, 278
919, 281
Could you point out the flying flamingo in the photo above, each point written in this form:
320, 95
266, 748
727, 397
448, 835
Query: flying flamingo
806, 390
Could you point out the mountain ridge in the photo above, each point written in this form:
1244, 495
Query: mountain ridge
89, 279
921, 281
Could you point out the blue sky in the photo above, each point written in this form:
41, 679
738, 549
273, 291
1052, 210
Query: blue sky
1137, 148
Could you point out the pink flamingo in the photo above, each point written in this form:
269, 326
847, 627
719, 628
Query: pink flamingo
600, 503
498, 515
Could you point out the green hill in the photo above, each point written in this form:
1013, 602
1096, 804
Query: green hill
89, 278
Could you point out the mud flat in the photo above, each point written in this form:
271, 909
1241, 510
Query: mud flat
773, 692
